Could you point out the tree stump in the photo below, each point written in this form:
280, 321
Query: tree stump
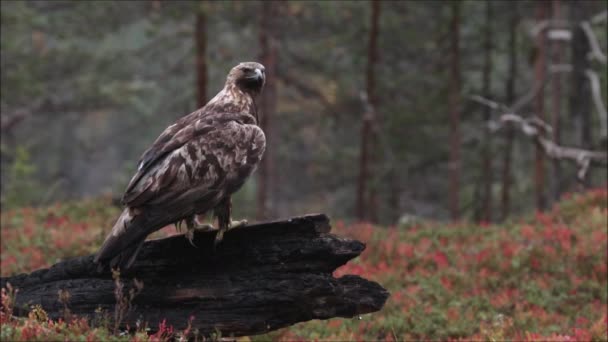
260, 278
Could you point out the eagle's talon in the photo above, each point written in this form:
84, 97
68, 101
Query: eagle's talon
190, 237
191, 225
237, 224
218, 238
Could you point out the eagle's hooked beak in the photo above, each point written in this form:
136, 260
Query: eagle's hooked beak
251, 77
259, 73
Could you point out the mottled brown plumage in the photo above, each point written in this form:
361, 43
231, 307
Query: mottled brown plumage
193, 166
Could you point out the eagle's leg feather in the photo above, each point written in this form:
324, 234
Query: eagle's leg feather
223, 213
190, 224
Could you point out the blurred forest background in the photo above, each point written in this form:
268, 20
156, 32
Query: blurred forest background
380, 111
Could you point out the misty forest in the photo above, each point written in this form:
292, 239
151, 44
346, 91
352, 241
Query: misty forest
432, 170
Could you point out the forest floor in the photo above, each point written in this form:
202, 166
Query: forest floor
539, 277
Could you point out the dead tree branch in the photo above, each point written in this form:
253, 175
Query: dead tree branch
536, 129
543, 25
598, 18
596, 51
11, 121
306, 90
539, 130
598, 101
260, 278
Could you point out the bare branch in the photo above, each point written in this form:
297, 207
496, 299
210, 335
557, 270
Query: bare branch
489, 103
557, 68
598, 18
596, 50
548, 24
539, 123
527, 98
537, 129
8, 123
598, 101
559, 35
306, 89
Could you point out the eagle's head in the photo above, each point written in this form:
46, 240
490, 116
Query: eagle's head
248, 76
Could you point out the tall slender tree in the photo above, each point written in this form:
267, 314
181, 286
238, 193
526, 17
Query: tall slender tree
454, 110
557, 53
268, 37
539, 103
367, 199
200, 37
580, 92
487, 179
510, 98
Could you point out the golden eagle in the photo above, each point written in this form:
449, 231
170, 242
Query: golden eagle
193, 167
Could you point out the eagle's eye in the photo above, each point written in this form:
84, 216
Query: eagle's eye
247, 69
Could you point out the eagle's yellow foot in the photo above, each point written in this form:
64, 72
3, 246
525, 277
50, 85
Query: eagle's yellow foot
193, 225
220, 232
237, 224
204, 227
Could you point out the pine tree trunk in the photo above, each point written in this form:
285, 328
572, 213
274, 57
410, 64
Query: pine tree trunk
200, 36
556, 96
510, 97
539, 105
267, 104
372, 60
363, 169
487, 93
367, 206
580, 93
454, 104
394, 183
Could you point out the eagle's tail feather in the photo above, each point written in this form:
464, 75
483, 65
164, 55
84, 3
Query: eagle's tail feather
124, 241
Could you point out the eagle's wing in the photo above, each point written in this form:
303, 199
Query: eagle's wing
183, 149
170, 139
211, 161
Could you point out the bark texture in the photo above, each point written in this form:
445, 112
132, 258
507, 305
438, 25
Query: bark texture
454, 109
539, 106
580, 91
505, 205
487, 154
261, 278
268, 38
200, 39
367, 198
556, 99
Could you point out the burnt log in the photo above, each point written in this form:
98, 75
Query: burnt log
260, 278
